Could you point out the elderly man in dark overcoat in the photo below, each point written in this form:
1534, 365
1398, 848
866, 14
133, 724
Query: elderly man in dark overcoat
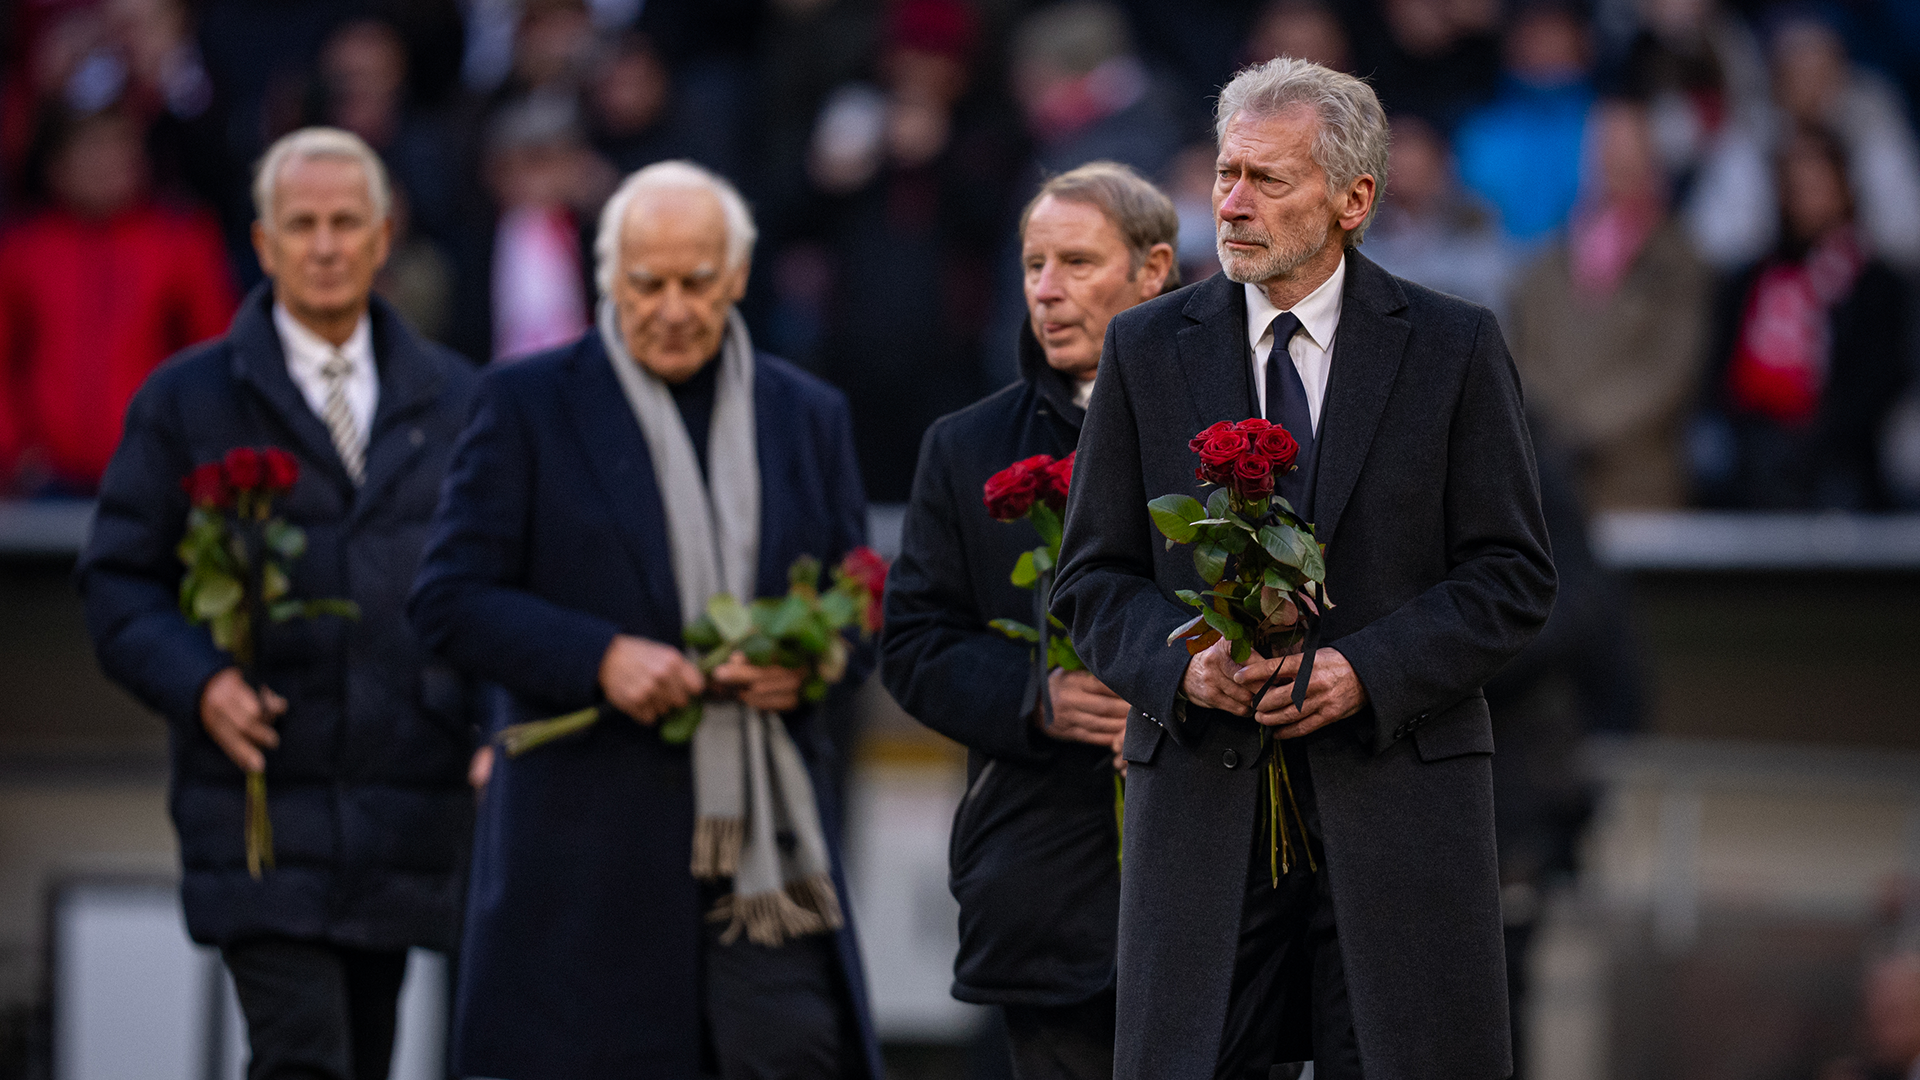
363, 737
603, 494
1034, 841
1379, 957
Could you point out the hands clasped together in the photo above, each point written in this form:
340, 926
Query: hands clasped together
648, 680
1215, 681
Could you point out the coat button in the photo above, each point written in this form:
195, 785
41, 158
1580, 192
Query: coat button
1231, 758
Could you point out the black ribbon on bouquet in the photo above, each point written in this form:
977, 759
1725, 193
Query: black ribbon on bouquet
1042, 599
1308, 646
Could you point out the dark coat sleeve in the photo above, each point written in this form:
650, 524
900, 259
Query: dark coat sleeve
129, 572
468, 603
939, 659
1106, 589
1445, 643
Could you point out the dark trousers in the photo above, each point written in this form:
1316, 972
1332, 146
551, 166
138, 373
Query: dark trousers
778, 1013
1062, 1042
1289, 998
316, 1011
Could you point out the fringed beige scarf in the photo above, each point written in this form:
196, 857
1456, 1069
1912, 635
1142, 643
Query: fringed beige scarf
755, 819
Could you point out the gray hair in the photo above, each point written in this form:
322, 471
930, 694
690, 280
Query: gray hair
1352, 139
319, 142
1140, 212
670, 176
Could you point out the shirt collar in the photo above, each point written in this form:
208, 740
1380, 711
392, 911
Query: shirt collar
1318, 311
308, 351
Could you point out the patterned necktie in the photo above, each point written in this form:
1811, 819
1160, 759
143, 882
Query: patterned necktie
339, 418
1287, 406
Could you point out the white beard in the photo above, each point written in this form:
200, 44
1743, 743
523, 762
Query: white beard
1275, 262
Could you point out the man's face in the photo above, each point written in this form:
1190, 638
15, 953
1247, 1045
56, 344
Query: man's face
1079, 276
1272, 210
325, 242
673, 288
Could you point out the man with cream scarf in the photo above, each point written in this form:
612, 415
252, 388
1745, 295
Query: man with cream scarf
639, 908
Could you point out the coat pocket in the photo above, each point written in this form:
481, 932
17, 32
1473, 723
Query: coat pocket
1142, 738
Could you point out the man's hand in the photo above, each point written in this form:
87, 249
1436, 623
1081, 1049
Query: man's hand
240, 721
647, 680
1210, 682
1333, 692
1084, 710
769, 689
480, 769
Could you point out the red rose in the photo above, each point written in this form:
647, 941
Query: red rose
1277, 446
206, 486
1055, 481
1254, 425
282, 469
1253, 477
244, 468
864, 565
1194, 444
1011, 492
1222, 448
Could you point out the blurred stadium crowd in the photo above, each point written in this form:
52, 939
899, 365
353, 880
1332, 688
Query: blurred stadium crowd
1699, 220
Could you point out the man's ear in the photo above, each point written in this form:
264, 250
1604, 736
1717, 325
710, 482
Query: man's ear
1357, 203
739, 289
260, 249
1154, 270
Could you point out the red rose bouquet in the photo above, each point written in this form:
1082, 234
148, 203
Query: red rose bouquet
1265, 572
1036, 489
236, 554
805, 629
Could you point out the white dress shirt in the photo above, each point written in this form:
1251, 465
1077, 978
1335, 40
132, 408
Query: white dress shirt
307, 352
1311, 348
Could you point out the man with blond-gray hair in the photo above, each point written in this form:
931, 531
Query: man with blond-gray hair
362, 738
634, 911
1375, 949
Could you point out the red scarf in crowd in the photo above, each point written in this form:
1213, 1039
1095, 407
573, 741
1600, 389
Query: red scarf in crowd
1779, 367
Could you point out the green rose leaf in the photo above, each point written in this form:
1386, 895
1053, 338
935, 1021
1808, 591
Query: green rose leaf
1174, 516
217, 594
729, 617
1220, 503
1024, 572
1209, 561
677, 728
1018, 631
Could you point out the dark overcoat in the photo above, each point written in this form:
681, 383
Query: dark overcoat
1033, 852
367, 791
582, 949
1438, 561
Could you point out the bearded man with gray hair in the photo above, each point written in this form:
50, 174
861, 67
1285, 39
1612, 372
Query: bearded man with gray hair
1381, 955
634, 911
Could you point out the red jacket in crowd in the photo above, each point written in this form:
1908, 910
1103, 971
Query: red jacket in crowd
87, 309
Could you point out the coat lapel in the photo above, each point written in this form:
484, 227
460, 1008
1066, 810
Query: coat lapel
409, 383
259, 362
616, 454
1213, 353
1366, 359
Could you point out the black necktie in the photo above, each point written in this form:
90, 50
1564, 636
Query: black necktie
1287, 406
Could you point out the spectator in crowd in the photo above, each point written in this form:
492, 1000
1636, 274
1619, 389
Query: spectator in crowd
629, 106
1190, 186
1521, 151
1033, 851
602, 495
914, 179
1809, 353
1701, 74
544, 179
1818, 85
1085, 93
417, 278
1307, 29
1608, 326
1433, 231
363, 88
1436, 59
364, 741
97, 287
